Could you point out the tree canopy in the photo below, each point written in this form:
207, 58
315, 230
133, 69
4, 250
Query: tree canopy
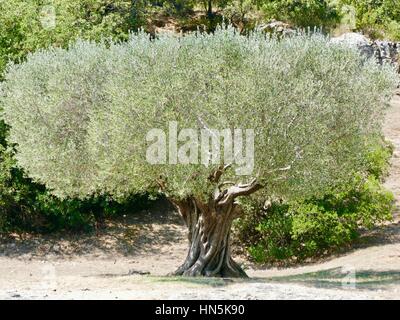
89, 109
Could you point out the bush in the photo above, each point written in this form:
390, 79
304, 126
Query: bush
377, 158
287, 231
177, 7
294, 231
303, 13
378, 19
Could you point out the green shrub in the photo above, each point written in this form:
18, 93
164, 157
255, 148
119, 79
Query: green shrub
303, 13
378, 155
177, 7
378, 19
295, 230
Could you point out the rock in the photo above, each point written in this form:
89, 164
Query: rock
352, 38
132, 272
278, 27
356, 40
386, 52
382, 51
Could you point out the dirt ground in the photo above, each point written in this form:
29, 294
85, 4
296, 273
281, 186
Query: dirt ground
132, 256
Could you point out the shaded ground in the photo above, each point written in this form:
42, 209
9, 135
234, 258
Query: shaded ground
130, 258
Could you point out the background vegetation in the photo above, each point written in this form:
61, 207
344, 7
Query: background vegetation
377, 18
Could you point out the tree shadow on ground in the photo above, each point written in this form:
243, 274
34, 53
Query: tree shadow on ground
153, 231
144, 231
335, 278
344, 278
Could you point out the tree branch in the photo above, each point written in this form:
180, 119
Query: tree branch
162, 184
216, 175
235, 191
244, 189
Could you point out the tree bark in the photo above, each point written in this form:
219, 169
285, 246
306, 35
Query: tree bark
209, 224
209, 8
209, 248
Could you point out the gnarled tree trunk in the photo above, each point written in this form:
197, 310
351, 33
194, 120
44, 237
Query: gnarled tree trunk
209, 248
209, 225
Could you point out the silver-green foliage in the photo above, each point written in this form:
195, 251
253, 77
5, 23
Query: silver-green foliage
80, 116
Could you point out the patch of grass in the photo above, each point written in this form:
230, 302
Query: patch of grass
336, 278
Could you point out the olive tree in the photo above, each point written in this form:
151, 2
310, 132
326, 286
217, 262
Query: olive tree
298, 110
